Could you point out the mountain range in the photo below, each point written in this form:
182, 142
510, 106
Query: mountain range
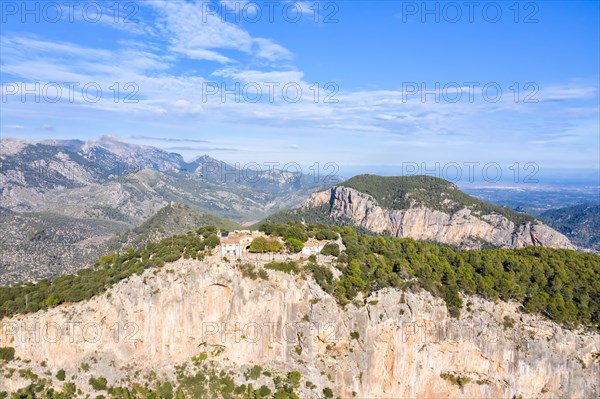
65, 202
109, 179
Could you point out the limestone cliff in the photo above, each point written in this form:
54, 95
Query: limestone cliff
392, 345
465, 227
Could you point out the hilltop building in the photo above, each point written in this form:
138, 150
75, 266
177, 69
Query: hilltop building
313, 247
234, 244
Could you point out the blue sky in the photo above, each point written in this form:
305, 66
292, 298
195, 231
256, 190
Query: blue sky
372, 58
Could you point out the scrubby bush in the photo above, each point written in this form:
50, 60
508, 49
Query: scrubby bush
248, 270
461, 381
253, 373
60, 375
294, 245
322, 275
99, 384
294, 378
331, 248
7, 354
264, 391
290, 267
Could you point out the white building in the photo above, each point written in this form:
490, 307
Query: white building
237, 242
313, 247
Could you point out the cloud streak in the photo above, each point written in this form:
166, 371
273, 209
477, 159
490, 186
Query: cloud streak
168, 139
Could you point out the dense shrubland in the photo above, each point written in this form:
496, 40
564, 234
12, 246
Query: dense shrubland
298, 231
564, 285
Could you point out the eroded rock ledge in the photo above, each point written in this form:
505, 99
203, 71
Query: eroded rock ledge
464, 227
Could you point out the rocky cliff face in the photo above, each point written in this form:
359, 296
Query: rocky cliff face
395, 345
464, 228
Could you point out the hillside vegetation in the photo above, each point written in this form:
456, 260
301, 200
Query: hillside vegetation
108, 270
170, 220
41, 245
398, 193
563, 285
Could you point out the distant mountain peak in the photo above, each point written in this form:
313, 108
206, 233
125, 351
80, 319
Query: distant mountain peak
206, 159
116, 146
63, 142
11, 146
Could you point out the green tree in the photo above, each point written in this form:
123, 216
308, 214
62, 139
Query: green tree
274, 245
352, 279
294, 245
331, 249
453, 300
296, 231
212, 241
259, 245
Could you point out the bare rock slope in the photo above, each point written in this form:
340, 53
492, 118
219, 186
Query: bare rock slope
395, 345
444, 219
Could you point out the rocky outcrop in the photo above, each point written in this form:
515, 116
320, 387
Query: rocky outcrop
464, 227
395, 345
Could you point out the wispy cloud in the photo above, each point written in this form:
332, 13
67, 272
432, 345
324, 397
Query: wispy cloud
198, 34
268, 49
563, 93
196, 31
201, 149
168, 139
255, 76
